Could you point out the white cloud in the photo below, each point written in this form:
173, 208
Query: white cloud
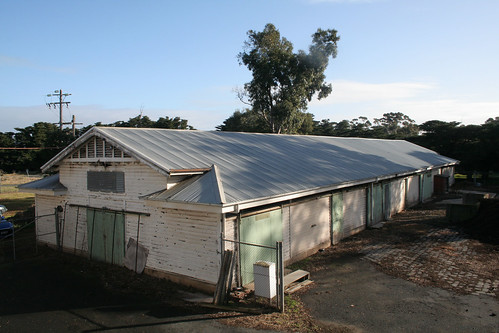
466, 112
357, 92
419, 100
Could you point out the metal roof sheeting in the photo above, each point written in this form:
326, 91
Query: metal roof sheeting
253, 166
50, 183
197, 189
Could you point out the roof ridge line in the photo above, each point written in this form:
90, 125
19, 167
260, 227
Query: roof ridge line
220, 187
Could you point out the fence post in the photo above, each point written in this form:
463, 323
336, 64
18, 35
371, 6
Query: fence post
14, 244
280, 265
57, 232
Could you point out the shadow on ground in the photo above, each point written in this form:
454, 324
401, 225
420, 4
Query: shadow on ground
57, 292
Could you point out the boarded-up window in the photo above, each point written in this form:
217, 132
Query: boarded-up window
104, 181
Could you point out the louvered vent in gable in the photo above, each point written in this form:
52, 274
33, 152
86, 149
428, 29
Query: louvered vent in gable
117, 153
98, 149
91, 148
108, 150
83, 151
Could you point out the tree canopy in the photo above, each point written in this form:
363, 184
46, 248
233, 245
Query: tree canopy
32, 146
475, 146
283, 81
250, 121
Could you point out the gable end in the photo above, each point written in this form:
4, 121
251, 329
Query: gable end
97, 148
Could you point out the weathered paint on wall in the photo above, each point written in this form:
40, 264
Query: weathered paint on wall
309, 226
337, 217
106, 236
262, 229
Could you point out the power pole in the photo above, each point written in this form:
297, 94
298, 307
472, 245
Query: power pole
73, 123
60, 103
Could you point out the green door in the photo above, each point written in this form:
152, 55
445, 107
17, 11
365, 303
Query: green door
106, 236
337, 217
377, 197
261, 229
427, 185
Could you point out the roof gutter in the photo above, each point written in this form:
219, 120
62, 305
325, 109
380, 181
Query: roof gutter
237, 207
188, 172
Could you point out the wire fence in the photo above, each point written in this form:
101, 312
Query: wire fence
22, 242
259, 267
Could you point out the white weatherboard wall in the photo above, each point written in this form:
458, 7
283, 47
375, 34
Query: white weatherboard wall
412, 190
397, 196
193, 241
354, 211
179, 241
139, 180
45, 226
449, 171
230, 232
309, 227
74, 230
286, 233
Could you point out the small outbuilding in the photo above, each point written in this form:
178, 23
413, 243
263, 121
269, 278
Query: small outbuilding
177, 199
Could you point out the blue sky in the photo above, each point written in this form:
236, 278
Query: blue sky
434, 59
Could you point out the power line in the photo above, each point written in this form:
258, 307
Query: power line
32, 148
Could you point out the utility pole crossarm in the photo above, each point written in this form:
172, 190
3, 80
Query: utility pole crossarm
60, 104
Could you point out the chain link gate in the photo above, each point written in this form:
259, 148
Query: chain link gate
247, 254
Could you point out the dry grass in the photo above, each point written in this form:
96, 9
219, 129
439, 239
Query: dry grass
15, 201
17, 179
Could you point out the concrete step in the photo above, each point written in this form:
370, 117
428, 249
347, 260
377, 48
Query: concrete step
296, 280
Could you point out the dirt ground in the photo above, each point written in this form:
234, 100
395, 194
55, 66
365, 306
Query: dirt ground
56, 292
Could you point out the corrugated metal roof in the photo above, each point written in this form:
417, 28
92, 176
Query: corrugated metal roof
48, 183
198, 189
252, 166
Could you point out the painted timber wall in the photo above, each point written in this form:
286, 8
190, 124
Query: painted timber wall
46, 224
309, 224
180, 243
